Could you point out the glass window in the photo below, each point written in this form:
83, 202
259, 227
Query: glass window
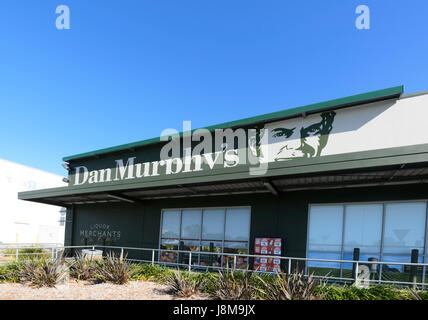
191, 224
213, 224
168, 255
237, 224
235, 248
211, 259
171, 224
402, 224
404, 227
191, 245
215, 230
398, 268
363, 227
325, 256
325, 228
363, 257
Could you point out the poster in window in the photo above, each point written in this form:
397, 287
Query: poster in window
267, 247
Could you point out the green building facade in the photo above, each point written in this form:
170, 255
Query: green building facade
325, 178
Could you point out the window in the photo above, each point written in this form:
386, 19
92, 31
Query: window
382, 231
170, 235
363, 228
213, 225
221, 230
63, 214
404, 227
325, 235
325, 228
171, 225
190, 233
61, 221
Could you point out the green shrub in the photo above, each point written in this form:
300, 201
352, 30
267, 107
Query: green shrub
423, 295
41, 272
288, 287
149, 272
27, 253
335, 292
8, 272
113, 269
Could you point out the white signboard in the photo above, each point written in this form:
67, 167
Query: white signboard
386, 124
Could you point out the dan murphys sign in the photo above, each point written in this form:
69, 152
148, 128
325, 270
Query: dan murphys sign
126, 169
253, 148
373, 126
197, 159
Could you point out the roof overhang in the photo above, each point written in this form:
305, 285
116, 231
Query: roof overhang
369, 168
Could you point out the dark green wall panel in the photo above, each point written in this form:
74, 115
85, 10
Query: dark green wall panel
283, 216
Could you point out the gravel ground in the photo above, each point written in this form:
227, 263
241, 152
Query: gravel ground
82, 290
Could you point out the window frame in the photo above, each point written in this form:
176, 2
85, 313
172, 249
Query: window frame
202, 209
423, 253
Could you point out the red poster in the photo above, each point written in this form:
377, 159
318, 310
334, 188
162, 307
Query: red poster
269, 247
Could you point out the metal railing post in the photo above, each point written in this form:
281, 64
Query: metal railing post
190, 260
121, 254
234, 261
17, 254
414, 269
52, 253
289, 266
355, 257
356, 273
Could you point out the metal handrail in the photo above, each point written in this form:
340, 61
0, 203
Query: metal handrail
357, 263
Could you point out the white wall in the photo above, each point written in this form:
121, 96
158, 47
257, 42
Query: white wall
24, 221
386, 124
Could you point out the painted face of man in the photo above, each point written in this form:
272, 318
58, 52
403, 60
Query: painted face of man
292, 141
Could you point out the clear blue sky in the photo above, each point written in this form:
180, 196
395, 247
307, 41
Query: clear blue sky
126, 70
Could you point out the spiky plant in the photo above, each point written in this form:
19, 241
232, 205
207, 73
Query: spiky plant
82, 267
233, 285
113, 269
181, 285
41, 272
289, 287
414, 294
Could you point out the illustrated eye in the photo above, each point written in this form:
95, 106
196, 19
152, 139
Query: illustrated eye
314, 129
282, 132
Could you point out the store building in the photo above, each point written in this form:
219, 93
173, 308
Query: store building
23, 221
324, 178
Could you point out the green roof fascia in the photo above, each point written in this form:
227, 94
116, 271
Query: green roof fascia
378, 95
346, 161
